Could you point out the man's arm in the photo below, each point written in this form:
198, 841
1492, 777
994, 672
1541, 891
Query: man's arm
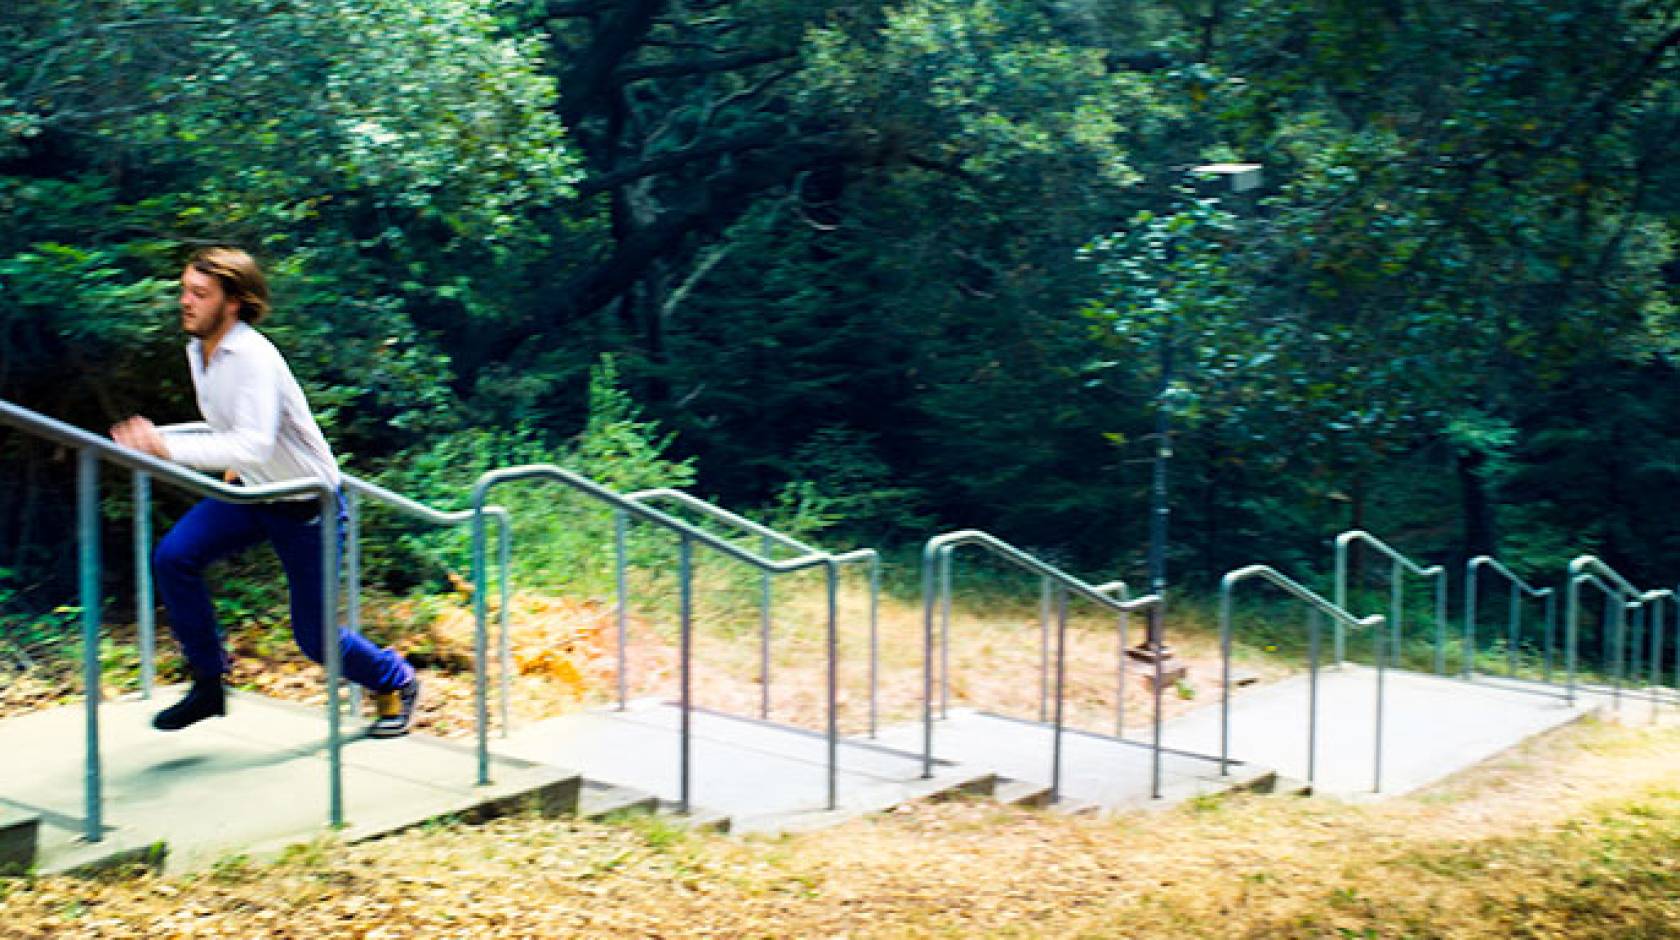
140, 434
254, 415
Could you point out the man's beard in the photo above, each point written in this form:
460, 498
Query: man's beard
208, 328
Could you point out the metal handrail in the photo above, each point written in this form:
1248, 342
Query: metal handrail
688, 535
1656, 658
355, 487
1122, 593
1626, 657
1654, 599
1472, 570
1582, 569
91, 449
1119, 590
1400, 563
770, 537
937, 552
1318, 606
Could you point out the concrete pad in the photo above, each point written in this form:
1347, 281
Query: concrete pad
1432, 727
1097, 770
249, 783
763, 776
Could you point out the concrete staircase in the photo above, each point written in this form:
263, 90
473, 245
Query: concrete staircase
256, 781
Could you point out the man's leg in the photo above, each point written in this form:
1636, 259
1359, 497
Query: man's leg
209, 531
381, 671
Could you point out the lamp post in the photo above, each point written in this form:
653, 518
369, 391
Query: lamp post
1241, 177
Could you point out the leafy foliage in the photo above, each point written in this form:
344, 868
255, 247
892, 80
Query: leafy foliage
888, 267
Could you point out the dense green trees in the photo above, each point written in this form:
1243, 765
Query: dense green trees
896, 266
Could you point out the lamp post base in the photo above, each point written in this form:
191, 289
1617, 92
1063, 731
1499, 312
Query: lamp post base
1171, 668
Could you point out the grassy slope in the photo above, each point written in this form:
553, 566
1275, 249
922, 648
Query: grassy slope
1575, 835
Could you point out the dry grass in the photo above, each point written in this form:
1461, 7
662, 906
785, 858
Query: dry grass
564, 657
1574, 835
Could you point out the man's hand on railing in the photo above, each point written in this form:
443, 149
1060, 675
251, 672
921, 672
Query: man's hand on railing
141, 435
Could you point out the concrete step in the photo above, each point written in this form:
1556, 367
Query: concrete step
1433, 726
982, 784
604, 802
251, 783
760, 776
1022, 793
1289, 786
697, 818
1068, 807
598, 801
1099, 772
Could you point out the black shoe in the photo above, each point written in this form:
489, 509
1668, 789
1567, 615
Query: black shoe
204, 700
395, 710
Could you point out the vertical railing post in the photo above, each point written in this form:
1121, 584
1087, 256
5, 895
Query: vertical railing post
88, 561
1513, 635
1676, 695
833, 571
481, 644
332, 655
145, 607
1633, 638
1225, 677
1441, 621
929, 562
620, 586
1397, 607
1120, 670
1157, 618
1061, 694
945, 633
1551, 635
1470, 568
1656, 654
874, 643
1339, 653
1314, 618
504, 579
685, 552
1615, 614
1398, 635
353, 579
1571, 631
1044, 649
768, 547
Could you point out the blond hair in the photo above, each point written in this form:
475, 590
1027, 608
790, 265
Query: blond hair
240, 276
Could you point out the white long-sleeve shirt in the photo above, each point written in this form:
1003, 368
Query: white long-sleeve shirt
259, 422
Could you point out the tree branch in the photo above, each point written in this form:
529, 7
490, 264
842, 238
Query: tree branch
732, 63
562, 10
716, 204
943, 168
585, 83
1606, 99
754, 139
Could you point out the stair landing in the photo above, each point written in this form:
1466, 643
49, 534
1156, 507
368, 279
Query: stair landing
250, 783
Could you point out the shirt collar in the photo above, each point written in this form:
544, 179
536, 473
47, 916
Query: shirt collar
236, 336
